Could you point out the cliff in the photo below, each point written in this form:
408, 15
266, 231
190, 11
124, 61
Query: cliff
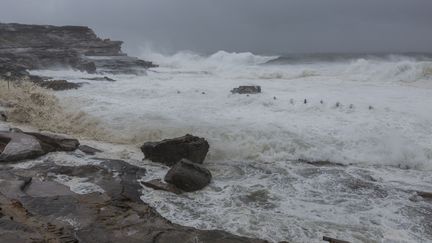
28, 47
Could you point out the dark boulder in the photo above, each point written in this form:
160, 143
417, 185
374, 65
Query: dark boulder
246, 90
170, 151
188, 176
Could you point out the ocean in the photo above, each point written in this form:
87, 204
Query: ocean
368, 114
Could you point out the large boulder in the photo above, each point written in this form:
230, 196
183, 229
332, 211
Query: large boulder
19, 146
246, 90
188, 176
170, 151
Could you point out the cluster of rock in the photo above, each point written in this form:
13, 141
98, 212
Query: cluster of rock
35, 207
185, 155
31, 47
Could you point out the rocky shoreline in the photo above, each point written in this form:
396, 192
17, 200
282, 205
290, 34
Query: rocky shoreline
36, 205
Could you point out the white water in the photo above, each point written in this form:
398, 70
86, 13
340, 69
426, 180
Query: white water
256, 190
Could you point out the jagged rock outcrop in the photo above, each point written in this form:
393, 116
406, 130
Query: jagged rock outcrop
171, 151
27, 47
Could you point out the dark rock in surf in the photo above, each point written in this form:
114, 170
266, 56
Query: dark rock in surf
88, 150
19, 146
170, 151
188, 176
246, 90
59, 85
158, 184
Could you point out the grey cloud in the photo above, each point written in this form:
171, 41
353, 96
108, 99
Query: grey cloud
262, 26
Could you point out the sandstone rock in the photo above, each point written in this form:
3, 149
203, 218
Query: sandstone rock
246, 90
88, 150
19, 146
188, 176
170, 151
55, 142
158, 184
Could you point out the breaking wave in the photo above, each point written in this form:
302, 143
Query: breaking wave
38, 107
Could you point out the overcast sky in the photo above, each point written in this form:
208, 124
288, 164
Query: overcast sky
260, 26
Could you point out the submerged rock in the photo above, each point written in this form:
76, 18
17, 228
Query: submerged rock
19, 146
188, 176
170, 151
246, 90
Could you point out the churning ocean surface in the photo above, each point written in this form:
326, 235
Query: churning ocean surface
380, 136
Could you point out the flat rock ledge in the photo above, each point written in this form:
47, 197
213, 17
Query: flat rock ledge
16, 145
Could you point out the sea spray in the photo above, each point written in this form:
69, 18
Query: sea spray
38, 107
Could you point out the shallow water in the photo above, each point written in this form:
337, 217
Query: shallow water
258, 189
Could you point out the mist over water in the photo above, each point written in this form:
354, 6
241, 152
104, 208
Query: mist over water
381, 128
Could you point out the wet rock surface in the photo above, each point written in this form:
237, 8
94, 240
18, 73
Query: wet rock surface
158, 184
171, 151
37, 208
188, 176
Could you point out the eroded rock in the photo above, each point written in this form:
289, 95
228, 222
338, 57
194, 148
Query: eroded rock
188, 176
170, 151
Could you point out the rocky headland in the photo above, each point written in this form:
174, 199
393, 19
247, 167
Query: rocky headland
32, 47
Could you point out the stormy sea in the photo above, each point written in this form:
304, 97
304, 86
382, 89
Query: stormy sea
334, 144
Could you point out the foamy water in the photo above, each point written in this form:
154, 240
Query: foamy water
257, 189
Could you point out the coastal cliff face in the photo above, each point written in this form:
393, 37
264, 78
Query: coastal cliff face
28, 47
